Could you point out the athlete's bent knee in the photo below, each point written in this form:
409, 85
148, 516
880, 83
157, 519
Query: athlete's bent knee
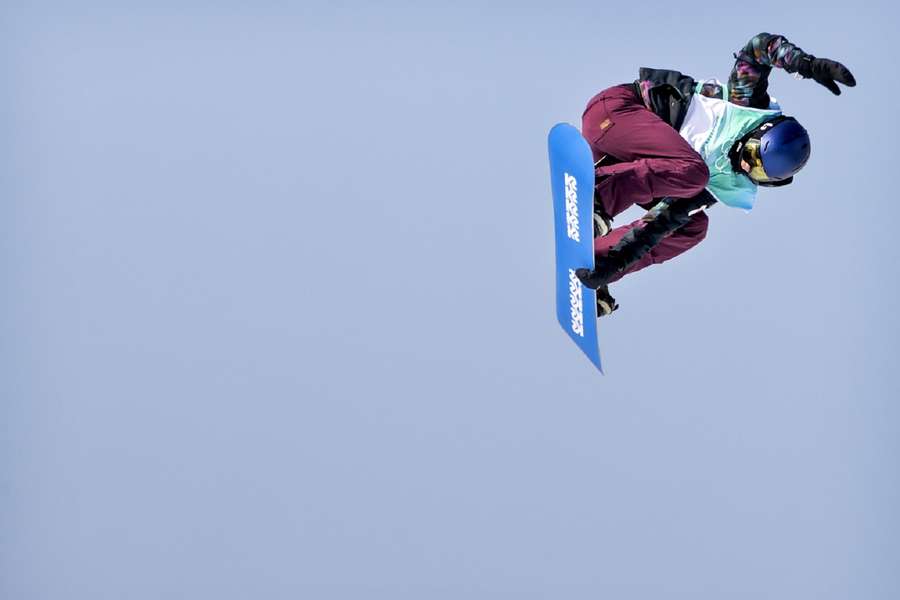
696, 175
694, 231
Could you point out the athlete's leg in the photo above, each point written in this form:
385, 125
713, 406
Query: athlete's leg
682, 240
658, 161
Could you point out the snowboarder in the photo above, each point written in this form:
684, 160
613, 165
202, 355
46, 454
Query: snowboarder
675, 146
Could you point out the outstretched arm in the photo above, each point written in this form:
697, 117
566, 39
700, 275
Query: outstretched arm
749, 81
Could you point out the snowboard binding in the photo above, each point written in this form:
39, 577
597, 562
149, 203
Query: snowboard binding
606, 304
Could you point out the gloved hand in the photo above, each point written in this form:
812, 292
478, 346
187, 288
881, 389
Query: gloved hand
585, 275
826, 72
592, 279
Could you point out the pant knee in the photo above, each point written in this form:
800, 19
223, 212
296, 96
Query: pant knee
696, 176
695, 229
691, 234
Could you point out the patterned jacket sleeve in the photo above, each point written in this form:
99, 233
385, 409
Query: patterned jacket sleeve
749, 81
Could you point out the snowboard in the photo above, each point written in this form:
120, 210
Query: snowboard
572, 182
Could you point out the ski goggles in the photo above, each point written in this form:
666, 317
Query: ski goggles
750, 154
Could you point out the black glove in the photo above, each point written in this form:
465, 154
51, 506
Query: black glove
588, 278
826, 72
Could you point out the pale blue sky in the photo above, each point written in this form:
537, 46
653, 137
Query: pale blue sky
278, 314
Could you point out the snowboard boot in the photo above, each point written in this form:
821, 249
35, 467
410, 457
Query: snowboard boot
602, 221
602, 225
606, 304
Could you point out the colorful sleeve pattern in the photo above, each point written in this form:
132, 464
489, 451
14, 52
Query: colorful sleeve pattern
749, 79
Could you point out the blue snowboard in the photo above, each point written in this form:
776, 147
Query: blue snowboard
572, 181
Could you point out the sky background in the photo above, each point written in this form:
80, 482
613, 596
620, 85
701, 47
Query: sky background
277, 314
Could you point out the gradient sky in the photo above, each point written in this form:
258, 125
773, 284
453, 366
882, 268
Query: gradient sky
277, 314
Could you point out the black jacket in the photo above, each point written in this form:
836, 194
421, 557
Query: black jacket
669, 93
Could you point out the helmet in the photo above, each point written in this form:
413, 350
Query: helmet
775, 151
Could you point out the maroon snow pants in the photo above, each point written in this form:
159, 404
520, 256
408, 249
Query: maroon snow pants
655, 162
